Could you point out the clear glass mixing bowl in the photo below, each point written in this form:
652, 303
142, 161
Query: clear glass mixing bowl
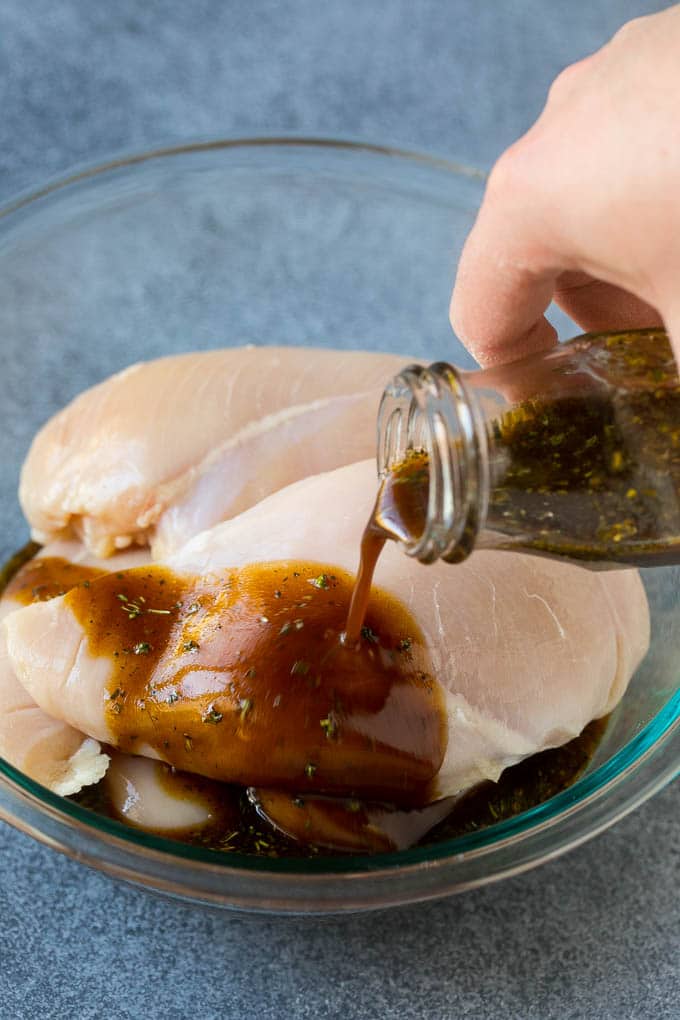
276, 241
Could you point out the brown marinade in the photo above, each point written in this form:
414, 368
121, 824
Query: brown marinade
240, 829
238, 826
42, 579
595, 474
400, 512
244, 678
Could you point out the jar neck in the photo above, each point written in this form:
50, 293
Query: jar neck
436, 410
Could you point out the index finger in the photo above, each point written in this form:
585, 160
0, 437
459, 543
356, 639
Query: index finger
505, 282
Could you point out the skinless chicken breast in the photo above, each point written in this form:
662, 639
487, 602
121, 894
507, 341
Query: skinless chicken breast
525, 651
168, 448
43, 746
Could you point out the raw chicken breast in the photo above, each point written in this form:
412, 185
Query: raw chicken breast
46, 748
527, 650
149, 795
166, 449
357, 827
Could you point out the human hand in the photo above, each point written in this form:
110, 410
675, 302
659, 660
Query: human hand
585, 208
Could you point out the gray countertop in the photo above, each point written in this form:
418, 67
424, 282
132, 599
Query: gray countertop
594, 934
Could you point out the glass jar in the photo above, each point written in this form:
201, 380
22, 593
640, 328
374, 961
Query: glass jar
574, 453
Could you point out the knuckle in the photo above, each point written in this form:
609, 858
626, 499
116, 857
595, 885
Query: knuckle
506, 171
630, 28
565, 80
513, 172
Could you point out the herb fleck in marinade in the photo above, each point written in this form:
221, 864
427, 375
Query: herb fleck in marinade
521, 787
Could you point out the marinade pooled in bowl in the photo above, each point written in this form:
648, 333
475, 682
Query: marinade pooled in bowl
239, 827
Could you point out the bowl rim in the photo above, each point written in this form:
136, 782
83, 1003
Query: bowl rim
84, 170
591, 804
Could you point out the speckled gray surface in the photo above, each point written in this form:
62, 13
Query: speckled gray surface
595, 934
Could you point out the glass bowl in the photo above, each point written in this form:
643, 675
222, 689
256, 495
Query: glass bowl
275, 240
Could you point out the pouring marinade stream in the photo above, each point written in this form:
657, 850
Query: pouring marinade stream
574, 454
400, 512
